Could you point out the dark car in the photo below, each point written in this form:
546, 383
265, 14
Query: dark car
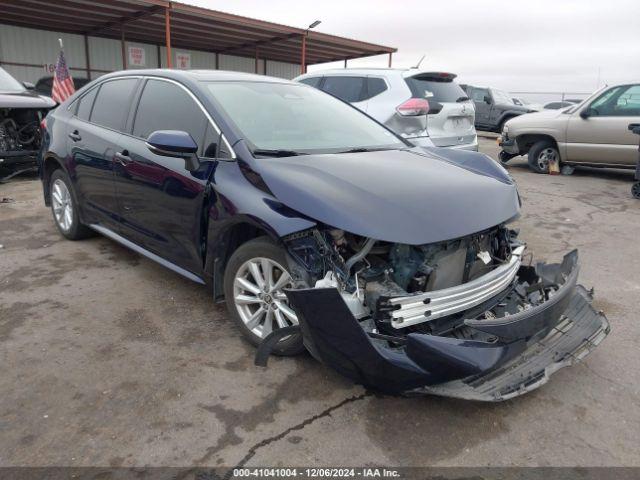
320, 228
21, 111
45, 84
493, 107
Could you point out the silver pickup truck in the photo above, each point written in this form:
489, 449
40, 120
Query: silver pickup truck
594, 133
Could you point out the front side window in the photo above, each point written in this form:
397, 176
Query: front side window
349, 89
166, 106
620, 101
501, 97
111, 106
277, 116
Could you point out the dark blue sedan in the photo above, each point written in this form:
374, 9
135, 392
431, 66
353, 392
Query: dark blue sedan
320, 228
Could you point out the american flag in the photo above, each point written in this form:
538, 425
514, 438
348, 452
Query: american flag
63, 86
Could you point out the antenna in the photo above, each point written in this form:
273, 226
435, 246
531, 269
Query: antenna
419, 62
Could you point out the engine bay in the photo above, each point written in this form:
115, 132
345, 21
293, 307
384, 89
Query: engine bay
19, 130
396, 289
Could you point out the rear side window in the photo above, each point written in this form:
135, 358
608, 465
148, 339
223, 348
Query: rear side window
312, 81
349, 89
444, 90
85, 104
166, 106
375, 86
112, 104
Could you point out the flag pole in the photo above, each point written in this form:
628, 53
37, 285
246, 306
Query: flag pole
61, 45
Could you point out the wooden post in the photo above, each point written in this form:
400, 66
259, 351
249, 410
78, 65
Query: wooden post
345, 63
167, 36
159, 55
390, 58
303, 56
217, 61
264, 65
86, 56
123, 47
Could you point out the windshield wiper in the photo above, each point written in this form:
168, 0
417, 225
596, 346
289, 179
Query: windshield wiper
277, 153
364, 149
462, 99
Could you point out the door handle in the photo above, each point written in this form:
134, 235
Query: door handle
75, 136
123, 158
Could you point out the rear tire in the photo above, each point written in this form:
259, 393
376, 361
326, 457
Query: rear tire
540, 154
635, 190
64, 207
254, 279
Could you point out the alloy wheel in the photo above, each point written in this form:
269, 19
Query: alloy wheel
546, 156
62, 205
258, 294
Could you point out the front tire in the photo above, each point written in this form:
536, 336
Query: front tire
64, 207
254, 282
540, 154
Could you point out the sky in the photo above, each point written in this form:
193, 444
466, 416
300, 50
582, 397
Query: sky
569, 46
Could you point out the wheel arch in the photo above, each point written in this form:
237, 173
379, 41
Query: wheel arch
50, 163
224, 240
526, 140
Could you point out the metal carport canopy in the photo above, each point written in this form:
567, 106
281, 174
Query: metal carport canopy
162, 22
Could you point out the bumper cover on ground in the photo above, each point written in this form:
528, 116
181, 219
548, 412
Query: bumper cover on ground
536, 343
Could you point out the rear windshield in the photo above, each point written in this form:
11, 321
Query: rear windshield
444, 90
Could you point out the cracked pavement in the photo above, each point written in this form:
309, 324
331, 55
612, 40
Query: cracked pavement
109, 359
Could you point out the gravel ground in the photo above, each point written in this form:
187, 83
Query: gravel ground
108, 359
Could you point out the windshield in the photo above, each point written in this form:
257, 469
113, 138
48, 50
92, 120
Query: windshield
297, 118
8, 83
501, 97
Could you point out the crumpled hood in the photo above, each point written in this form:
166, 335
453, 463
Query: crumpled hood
25, 100
415, 196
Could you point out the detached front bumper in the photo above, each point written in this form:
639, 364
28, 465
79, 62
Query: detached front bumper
529, 345
509, 145
17, 161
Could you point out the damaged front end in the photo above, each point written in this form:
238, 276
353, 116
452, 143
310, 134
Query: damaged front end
463, 318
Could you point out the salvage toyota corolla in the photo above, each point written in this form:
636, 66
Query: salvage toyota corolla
393, 264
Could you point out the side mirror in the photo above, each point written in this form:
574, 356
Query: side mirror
588, 112
487, 99
29, 85
175, 143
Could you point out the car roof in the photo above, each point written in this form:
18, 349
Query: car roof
405, 72
198, 75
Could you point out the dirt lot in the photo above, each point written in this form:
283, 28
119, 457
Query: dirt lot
109, 359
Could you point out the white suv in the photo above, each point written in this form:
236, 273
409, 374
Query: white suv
426, 108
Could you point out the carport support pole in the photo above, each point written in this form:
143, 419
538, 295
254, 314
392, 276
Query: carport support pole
167, 36
123, 48
390, 58
345, 63
86, 56
303, 58
256, 64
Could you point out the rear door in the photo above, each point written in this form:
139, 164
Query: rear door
94, 136
454, 123
604, 137
160, 200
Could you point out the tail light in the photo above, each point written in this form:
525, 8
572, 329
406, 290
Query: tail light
43, 124
413, 107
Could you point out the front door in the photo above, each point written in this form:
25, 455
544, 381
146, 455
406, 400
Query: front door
602, 136
161, 203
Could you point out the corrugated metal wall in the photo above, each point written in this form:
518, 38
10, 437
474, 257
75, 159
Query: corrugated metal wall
40, 48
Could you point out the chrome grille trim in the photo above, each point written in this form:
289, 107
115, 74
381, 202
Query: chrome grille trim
440, 303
